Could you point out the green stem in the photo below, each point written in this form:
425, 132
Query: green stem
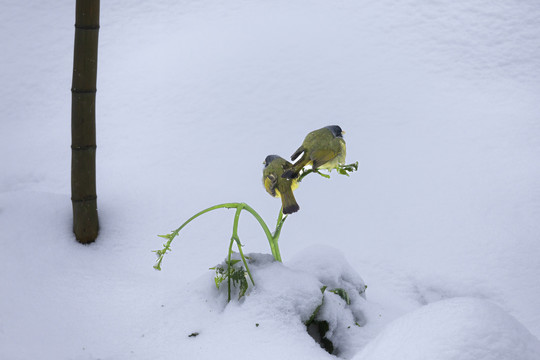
309, 171
229, 266
239, 206
244, 259
279, 219
279, 225
273, 245
236, 238
170, 237
341, 169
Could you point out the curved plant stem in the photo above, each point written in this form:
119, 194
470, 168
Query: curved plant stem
170, 237
229, 267
238, 243
341, 169
244, 260
279, 225
272, 238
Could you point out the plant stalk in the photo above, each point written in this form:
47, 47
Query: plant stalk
272, 239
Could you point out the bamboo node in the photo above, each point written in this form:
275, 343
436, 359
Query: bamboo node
83, 91
87, 27
83, 147
85, 199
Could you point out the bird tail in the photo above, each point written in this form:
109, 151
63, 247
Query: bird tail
297, 153
289, 202
293, 171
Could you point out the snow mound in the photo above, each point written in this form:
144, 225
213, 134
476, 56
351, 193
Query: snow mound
318, 294
458, 328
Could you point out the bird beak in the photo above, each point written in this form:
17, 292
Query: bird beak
343, 132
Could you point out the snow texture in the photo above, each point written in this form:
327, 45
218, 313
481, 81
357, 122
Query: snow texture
439, 102
459, 328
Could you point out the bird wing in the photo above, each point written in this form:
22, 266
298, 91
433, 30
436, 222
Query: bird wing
270, 183
297, 153
321, 157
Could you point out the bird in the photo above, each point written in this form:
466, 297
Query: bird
322, 149
277, 186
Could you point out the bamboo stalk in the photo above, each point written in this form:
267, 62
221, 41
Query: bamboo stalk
83, 122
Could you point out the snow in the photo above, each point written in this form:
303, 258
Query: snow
439, 102
458, 328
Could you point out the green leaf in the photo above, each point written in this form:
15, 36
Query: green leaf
218, 280
343, 171
323, 175
237, 275
233, 262
315, 312
342, 294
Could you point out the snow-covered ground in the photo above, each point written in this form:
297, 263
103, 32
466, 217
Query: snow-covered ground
440, 102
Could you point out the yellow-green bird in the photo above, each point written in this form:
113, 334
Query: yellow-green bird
322, 149
276, 185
